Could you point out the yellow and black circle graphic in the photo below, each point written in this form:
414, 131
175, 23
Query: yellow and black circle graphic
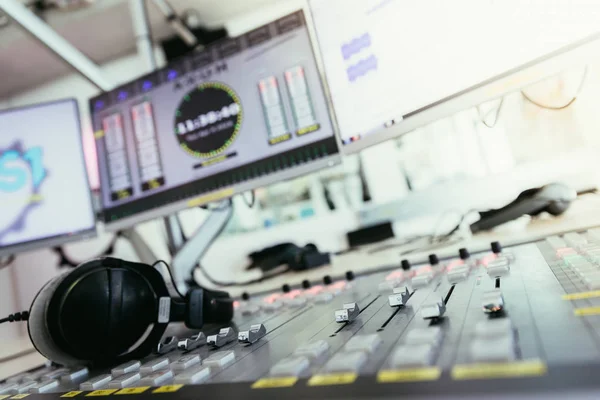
208, 119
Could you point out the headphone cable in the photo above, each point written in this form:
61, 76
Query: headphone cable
19, 316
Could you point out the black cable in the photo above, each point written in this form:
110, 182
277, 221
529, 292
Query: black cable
19, 316
170, 275
568, 104
249, 282
250, 203
498, 110
220, 208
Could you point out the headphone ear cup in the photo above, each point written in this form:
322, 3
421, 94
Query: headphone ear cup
37, 326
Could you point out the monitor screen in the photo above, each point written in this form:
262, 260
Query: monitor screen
392, 65
45, 197
243, 113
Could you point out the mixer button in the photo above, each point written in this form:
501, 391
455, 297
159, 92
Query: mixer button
193, 342
249, 309
167, 345
458, 274
55, 374
7, 387
75, 375
346, 362
255, 333
592, 283
421, 281
498, 349
193, 376
220, 359
433, 310
431, 335
124, 381
292, 366
323, 298
366, 343
158, 378
313, 351
419, 355
556, 242
275, 305
154, 365
492, 328
295, 302
131, 366
348, 313
498, 267
492, 301
20, 378
45, 386
574, 239
24, 387
185, 362
97, 382
225, 336
399, 298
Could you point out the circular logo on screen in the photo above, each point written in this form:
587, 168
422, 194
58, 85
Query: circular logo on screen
208, 119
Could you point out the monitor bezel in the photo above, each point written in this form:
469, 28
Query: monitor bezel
571, 55
229, 191
63, 238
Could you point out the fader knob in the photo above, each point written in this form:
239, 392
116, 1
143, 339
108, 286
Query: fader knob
349, 275
306, 284
327, 280
464, 253
286, 288
405, 265
496, 247
433, 259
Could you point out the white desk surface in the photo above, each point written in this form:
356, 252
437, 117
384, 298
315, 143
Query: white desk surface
583, 214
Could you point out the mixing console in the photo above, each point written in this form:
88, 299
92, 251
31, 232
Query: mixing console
506, 323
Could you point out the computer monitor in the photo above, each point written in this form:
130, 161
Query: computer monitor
45, 197
241, 114
395, 65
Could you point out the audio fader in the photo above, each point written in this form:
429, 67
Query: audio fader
505, 323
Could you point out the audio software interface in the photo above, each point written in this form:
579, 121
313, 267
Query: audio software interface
507, 323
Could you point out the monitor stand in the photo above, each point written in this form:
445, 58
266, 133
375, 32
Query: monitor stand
187, 252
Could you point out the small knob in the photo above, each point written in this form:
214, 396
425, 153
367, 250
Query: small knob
464, 253
405, 265
433, 259
286, 288
245, 296
349, 275
327, 280
496, 247
306, 284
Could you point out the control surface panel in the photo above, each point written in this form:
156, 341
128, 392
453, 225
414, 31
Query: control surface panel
506, 323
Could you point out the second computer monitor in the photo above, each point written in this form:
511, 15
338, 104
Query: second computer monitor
394, 65
45, 197
244, 113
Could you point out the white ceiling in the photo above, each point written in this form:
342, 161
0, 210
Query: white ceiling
103, 32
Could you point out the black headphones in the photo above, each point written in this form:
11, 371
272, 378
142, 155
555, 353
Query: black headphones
108, 310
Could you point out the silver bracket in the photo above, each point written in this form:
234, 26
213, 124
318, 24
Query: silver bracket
187, 257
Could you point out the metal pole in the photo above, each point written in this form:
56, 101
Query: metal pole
178, 26
141, 29
56, 43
